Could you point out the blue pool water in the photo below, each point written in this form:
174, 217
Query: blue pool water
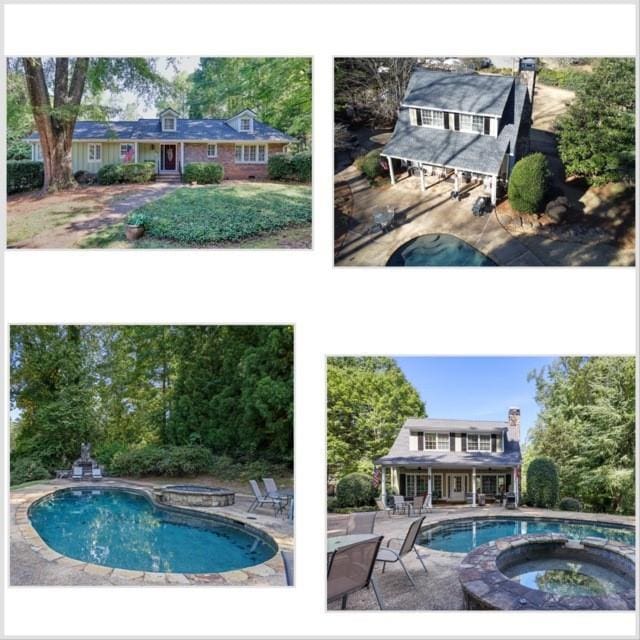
123, 529
462, 537
438, 250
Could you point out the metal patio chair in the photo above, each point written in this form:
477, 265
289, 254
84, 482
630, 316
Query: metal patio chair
387, 554
361, 522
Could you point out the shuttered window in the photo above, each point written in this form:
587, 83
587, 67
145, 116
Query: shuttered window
431, 118
487, 126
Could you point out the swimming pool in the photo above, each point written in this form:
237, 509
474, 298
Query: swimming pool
438, 250
122, 528
465, 535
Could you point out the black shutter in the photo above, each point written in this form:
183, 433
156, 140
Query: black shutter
456, 121
493, 442
421, 442
446, 120
508, 482
403, 483
487, 126
452, 442
464, 442
419, 117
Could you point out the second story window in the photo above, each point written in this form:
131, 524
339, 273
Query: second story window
439, 441
471, 124
431, 118
168, 124
245, 124
477, 442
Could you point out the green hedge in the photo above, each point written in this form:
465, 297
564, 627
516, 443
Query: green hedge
529, 184
204, 172
569, 504
571, 79
369, 164
301, 163
24, 175
132, 172
27, 469
542, 483
354, 490
162, 461
284, 166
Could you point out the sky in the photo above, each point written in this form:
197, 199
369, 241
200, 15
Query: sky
475, 388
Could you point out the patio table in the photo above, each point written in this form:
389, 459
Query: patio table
333, 544
383, 219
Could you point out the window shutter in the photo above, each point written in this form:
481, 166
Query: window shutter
452, 442
419, 117
487, 126
403, 483
464, 442
446, 120
413, 116
494, 444
421, 442
456, 121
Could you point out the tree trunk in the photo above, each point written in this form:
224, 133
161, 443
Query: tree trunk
55, 123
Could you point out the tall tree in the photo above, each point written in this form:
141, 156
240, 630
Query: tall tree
368, 399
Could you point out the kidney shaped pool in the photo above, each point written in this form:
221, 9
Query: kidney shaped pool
124, 529
438, 250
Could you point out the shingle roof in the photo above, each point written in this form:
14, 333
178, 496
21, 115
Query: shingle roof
401, 454
464, 92
149, 129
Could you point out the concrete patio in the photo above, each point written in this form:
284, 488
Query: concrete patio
33, 563
439, 589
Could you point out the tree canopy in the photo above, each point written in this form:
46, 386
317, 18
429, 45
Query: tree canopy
586, 426
228, 388
368, 400
596, 137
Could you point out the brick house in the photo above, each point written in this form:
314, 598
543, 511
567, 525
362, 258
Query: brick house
242, 144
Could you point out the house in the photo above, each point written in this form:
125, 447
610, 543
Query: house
454, 460
466, 125
241, 144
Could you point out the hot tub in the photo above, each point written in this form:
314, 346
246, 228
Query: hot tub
194, 495
549, 572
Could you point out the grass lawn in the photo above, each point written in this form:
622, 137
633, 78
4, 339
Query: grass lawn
224, 214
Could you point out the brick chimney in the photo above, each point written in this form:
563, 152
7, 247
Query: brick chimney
514, 424
527, 70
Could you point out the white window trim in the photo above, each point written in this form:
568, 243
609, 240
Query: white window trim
37, 152
481, 437
215, 150
96, 146
126, 144
249, 120
442, 439
175, 123
243, 153
433, 112
469, 118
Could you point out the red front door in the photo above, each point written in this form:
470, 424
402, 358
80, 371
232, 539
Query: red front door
169, 156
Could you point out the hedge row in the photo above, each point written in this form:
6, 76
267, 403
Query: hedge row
24, 175
132, 172
296, 167
203, 172
27, 469
162, 461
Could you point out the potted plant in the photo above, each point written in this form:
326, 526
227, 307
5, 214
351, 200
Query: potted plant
135, 226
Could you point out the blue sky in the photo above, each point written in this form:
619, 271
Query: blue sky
480, 388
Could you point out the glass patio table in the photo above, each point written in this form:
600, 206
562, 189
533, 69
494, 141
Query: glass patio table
337, 542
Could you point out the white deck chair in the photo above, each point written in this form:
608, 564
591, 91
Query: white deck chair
76, 473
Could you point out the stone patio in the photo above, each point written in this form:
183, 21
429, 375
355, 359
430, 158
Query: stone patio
440, 588
32, 562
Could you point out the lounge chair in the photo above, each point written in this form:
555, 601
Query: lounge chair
387, 554
383, 507
361, 522
96, 473
350, 569
399, 504
271, 487
260, 499
287, 558
76, 473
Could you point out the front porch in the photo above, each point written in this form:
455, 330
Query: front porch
167, 156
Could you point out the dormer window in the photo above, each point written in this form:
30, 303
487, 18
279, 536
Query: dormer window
168, 123
436, 441
478, 442
431, 118
245, 124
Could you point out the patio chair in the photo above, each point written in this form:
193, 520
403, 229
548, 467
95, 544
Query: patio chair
361, 522
76, 473
422, 503
260, 499
271, 487
96, 473
287, 558
350, 569
387, 554
399, 504
383, 507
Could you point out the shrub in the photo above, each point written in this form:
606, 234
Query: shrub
85, 177
542, 482
104, 453
301, 165
24, 175
136, 219
569, 504
354, 490
138, 172
332, 504
280, 166
370, 165
529, 183
157, 460
27, 469
204, 172
110, 174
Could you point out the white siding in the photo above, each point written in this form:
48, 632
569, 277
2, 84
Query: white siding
413, 441
494, 127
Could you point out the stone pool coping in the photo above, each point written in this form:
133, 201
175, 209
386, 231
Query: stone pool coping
488, 588
268, 573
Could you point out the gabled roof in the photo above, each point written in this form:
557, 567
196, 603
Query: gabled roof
454, 426
463, 92
186, 129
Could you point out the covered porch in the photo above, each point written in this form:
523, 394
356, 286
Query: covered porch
167, 155
451, 485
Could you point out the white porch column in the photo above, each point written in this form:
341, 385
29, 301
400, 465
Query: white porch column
182, 156
383, 489
516, 485
456, 182
473, 487
394, 480
391, 174
136, 151
494, 190
429, 482
422, 185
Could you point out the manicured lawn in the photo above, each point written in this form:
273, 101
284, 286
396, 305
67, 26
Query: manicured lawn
221, 214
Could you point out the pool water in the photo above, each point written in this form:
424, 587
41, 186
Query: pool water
124, 529
438, 250
567, 577
462, 537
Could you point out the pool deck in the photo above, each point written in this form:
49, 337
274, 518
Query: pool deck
33, 563
439, 589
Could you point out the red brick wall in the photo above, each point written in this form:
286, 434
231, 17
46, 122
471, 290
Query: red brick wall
197, 152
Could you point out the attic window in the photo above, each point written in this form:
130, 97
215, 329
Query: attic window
168, 123
245, 124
